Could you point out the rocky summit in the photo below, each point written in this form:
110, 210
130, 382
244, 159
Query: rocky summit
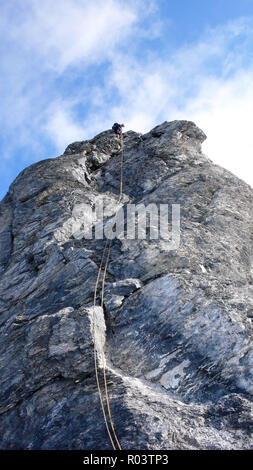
175, 321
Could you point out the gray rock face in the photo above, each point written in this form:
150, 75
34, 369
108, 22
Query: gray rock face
176, 324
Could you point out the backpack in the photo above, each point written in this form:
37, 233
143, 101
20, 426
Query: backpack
115, 126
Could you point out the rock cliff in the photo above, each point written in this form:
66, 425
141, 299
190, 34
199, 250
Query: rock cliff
176, 323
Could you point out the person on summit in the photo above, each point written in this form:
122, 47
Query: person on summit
117, 128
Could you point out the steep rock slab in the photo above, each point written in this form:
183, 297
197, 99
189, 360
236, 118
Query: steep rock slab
176, 325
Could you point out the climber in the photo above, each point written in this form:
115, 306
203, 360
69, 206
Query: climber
117, 128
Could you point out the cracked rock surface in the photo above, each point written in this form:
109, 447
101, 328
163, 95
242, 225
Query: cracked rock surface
175, 324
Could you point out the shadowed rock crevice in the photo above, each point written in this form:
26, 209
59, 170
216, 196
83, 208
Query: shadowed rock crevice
176, 325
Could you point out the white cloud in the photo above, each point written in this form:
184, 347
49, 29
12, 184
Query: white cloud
224, 111
61, 127
42, 42
208, 82
65, 32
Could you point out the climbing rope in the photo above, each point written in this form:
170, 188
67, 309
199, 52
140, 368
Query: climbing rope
108, 421
95, 352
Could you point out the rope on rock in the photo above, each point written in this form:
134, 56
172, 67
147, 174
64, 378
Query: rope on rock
115, 442
95, 352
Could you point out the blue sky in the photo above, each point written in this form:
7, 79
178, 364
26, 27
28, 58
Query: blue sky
70, 68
